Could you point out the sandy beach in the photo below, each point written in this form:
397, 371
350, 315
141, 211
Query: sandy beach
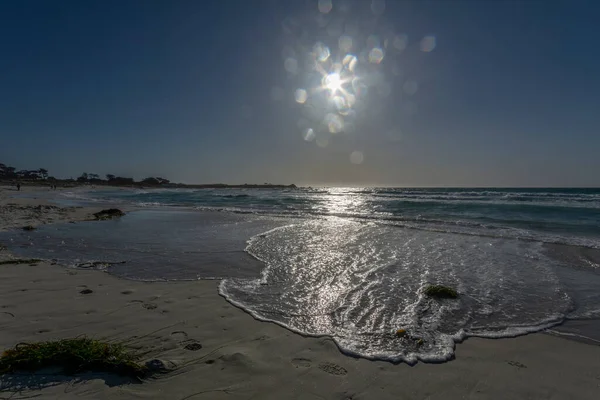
299, 200
213, 350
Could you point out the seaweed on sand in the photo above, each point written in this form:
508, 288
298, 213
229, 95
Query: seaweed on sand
72, 355
441, 292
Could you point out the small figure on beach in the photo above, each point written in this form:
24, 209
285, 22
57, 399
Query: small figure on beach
18, 186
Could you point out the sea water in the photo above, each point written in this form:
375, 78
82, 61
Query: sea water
352, 263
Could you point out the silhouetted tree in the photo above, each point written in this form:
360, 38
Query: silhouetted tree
7, 172
83, 178
26, 174
119, 180
110, 177
43, 172
155, 181
149, 181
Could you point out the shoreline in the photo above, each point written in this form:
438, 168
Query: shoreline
31, 208
247, 357
242, 357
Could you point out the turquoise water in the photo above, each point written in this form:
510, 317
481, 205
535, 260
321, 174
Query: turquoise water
570, 216
352, 263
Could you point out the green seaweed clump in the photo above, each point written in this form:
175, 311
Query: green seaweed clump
20, 261
73, 356
441, 292
109, 213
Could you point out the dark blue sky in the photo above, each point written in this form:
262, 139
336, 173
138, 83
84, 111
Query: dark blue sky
204, 91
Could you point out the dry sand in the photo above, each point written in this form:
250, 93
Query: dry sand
35, 210
242, 358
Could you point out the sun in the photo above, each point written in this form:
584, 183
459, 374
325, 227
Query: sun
333, 82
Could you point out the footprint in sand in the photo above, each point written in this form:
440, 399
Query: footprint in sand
332, 368
192, 345
188, 344
301, 362
149, 306
127, 291
7, 314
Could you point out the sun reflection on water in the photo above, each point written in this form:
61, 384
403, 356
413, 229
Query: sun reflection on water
344, 201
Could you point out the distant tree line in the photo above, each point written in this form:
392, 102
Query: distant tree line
40, 176
10, 173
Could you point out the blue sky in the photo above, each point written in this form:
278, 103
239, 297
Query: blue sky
200, 91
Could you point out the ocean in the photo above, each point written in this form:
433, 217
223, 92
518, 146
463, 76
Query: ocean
352, 263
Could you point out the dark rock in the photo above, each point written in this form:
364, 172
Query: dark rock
109, 213
159, 366
86, 291
29, 228
155, 365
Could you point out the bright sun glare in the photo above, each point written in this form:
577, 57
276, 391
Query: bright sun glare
333, 82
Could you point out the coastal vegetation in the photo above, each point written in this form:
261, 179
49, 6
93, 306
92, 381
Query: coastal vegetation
20, 261
72, 356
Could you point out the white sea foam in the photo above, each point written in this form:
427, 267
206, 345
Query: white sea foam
358, 284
